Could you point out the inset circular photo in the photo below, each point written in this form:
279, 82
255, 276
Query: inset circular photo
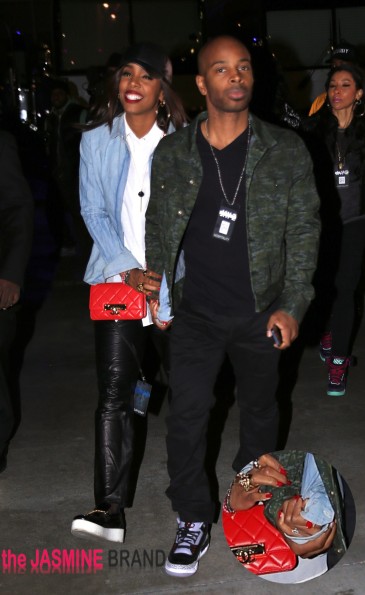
288, 516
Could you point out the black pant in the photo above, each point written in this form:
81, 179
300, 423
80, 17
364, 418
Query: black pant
117, 373
198, 344
7, 334
346, 282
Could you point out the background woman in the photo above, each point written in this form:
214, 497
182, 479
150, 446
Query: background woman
336, 138
116, 154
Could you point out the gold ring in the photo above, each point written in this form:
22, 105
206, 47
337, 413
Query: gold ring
140, 287
245, 481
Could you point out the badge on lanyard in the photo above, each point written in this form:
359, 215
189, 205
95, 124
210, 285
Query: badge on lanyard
342, 177
226, 220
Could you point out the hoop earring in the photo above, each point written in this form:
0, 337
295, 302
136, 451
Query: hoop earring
162, 105
358, 102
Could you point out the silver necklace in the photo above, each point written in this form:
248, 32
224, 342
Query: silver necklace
341, 157
219, 170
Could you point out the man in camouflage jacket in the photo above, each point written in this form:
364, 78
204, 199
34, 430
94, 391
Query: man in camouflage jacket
233, 223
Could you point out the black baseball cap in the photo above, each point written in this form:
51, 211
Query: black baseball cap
345, 52
151, 57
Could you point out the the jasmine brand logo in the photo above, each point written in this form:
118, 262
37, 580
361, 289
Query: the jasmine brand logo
55, 561
136, 558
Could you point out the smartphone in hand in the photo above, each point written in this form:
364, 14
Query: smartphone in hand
276, 335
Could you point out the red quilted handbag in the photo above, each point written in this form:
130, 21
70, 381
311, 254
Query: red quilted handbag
258, 545
116, 301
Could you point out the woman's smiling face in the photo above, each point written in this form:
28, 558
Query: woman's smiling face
139, 92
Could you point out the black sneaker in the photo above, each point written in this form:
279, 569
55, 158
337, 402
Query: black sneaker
191, 543
100, 523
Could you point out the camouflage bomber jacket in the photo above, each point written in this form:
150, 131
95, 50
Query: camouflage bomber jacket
282, 205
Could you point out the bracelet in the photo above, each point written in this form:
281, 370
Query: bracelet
227, 501
125, 276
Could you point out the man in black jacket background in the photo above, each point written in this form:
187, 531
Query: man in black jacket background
16, 228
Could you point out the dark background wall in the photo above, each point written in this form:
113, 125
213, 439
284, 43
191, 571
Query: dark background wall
66, 37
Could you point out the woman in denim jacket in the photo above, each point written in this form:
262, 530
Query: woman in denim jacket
116, 153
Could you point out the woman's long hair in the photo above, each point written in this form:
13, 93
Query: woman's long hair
110, 106
325, 124
357, 122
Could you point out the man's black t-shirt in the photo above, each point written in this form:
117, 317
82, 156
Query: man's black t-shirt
217, 271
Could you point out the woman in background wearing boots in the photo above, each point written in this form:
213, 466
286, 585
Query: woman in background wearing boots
336, 138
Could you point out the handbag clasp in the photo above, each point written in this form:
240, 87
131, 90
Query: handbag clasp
246, 553
114, 308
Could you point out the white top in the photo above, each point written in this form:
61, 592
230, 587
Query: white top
134, 206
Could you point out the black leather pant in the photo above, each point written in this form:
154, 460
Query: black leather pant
117, 372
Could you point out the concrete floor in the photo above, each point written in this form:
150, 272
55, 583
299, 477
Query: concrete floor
50, 467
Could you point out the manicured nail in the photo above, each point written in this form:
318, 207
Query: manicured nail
288, 482
309, 524
283, 471
279, 484
280, 514
297, 497
268, 495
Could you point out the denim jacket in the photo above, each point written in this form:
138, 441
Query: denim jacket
104, 165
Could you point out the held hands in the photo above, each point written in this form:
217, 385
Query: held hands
267, 471
287, 325
291, 522
148, 282
9, 294
163, 326
144, 281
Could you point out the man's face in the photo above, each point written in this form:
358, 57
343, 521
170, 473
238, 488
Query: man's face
226, 78
338, 62
58, 98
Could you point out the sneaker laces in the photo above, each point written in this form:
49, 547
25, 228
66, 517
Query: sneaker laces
187, 537
337, 369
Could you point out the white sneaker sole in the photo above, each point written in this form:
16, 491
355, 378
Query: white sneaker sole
86, 530
185, 570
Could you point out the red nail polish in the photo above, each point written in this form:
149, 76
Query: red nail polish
280, 514
288, 482
297, 496
279, 484
309, 524
268, 495
282, 471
